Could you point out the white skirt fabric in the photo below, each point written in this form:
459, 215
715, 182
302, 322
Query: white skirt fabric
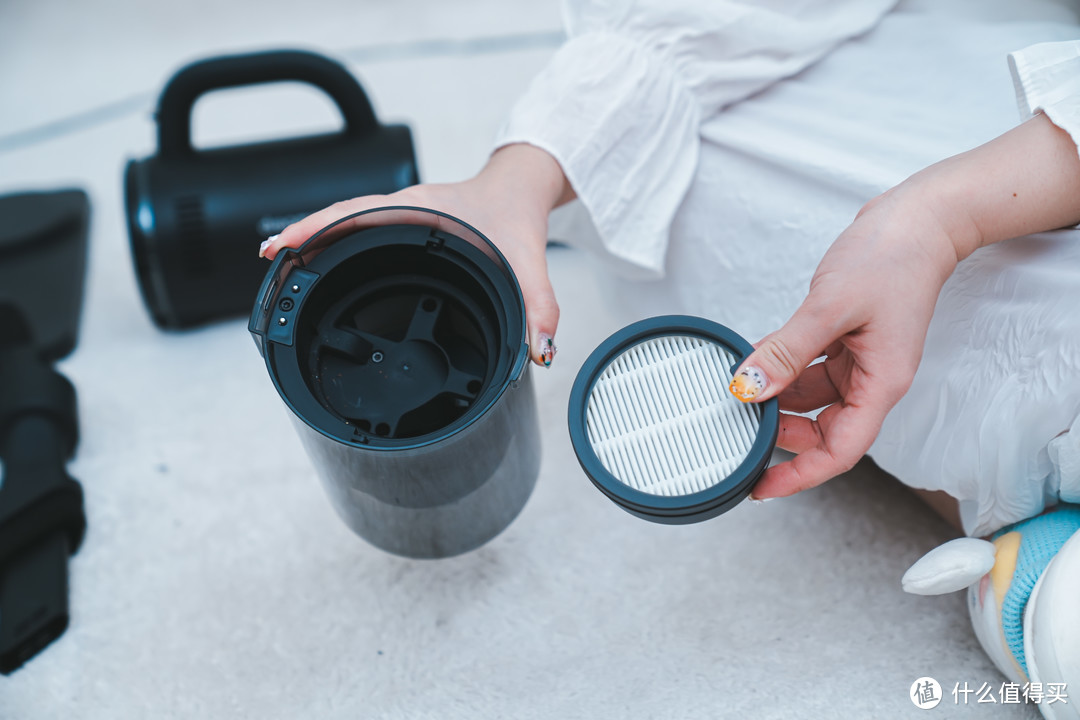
992, 416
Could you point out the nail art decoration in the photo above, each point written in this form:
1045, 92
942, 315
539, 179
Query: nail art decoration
547, 349
266, 244
748, 383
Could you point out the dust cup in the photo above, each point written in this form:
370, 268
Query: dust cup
397, 339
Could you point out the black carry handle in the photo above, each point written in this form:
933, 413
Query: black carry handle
179, 96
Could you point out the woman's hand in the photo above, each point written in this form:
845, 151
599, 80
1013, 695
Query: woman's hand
867, 314
873, 294
509, 201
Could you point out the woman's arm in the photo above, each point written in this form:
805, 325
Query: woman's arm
872, 296
1026, 181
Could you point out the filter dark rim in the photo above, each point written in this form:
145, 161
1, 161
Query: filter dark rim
689, 508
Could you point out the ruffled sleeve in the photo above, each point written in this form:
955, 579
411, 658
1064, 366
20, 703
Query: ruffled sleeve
620, 104
1047, 80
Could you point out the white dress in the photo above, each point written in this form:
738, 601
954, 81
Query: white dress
718, 148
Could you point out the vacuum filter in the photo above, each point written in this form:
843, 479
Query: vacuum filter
656, 429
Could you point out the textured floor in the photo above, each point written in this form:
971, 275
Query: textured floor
215, 581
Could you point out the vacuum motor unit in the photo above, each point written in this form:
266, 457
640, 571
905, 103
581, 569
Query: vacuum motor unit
196, 217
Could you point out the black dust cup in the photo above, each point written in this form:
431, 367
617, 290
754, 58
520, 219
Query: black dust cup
397, 338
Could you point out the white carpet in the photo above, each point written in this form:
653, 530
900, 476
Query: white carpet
216, 582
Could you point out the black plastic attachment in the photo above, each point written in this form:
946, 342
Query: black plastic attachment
43, 265
42, 262
674, 509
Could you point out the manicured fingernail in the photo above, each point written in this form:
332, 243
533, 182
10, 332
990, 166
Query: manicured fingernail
547, 349
748, 383
759, 501
266, 244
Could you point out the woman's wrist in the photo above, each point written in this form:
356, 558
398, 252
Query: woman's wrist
1025, 181
909, 222
942, 193
529, 175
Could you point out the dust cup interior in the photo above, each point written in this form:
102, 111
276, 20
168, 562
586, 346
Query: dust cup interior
655, 427
393, 328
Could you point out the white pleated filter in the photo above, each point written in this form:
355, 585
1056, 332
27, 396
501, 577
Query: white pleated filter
661, 420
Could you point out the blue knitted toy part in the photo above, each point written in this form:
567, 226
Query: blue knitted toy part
1040, 539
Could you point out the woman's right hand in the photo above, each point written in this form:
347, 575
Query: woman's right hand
508, 201
873, 295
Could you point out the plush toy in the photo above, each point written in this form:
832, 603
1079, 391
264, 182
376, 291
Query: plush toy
1024, 599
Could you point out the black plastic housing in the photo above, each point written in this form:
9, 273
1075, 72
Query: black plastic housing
42, 264
397, 339
196, 217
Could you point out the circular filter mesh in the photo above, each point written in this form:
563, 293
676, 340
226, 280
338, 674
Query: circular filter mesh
655, 428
